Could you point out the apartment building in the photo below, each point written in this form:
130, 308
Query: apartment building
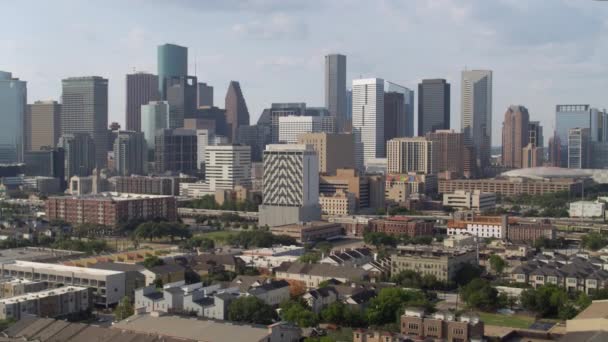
10, 287
443, 263
49, 303
512, 186
150, 185
309, 231
442, 325
311, 275
400, 225
340, 203
471, 200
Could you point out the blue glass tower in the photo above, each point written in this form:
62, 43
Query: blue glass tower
172, 62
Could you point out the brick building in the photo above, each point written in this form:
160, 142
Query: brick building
529, 233
444, 326
402, 226
512, 186
150, 185
110, 208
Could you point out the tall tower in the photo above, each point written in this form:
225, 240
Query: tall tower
13, 101
236, 110
141, 89
476, 109
79, 154
85, 110
515, 136
42, 125
415, 154
335, 88
172, 62
182, 99
368, 119
130, 153
433, 106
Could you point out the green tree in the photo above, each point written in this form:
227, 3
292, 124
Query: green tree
124, 309
310, 258
479, 294
545, 300
390, 302
340, 314
379, 239
251, 310
593, 241
152, 261
467, 273
298, 313
497, 263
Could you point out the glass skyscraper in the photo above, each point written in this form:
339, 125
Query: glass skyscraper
13, 102
172, 62
581, 116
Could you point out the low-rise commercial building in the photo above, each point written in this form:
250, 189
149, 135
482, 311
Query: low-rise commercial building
442, 263
368, 190
110, 208
501, 227
470, 200
401, 225
513, 186
444, 326
311, 275
49, 303
310, 231
150, 185
11, 287
340, 203
399, 186
588, 209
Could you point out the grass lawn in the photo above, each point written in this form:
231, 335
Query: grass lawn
342, 335
512, 321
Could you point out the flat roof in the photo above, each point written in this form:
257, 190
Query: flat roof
45, 293
597, 309
193, 328
61, 268
115, 196
33, 253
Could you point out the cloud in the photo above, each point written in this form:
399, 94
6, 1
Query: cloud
258, 6
279, 26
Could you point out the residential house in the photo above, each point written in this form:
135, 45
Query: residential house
320, 298
313, 274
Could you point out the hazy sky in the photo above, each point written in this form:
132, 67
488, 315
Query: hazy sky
542, 52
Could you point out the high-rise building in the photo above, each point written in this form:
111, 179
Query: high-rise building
205, 95
227, 166
555, 153
412, 154
335, 88
348, 122
236, 110
290, 127
154, 116
270, 117
13, 101
172, 62
216, 119
42, 125
291, 185
401, 118
130, 153
578, 148
536, 134
256, 136
476, 109
433, 105
175, 151
142, 88
577, 116
335, 150
79, 154
45, 163
532, 156
515, 135
85, 110
368, 119
450, 150
182, 99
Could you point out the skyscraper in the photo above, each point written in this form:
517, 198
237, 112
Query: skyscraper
182, 99
368, 119
290, 127
476, 109
536, 134
172, 62
406, 126
154, 116
433, 105
227, 166
79, 154
577, 116
85, 110
394, 116
415, 154
205, 95
236, 110
130, 153
13, 101
335, 88
515, 136
578, 148
175, 150
42, 125
335, 150
141, 89
450, 150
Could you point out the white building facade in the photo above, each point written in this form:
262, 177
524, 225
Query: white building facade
416, 154
476, 200
290, 127
587, 209
368, 119
476, 109
227, 166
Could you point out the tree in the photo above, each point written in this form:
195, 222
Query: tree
466, 274
124, 309
479, 294
593, 241
390, 302
152, 261
546, 300
339, 313
324, 247
497, 263
379, 239
298, 313
251, 310
310, 258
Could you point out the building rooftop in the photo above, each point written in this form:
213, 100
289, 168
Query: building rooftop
597, 309
34, 254
41, 294
61, 268
113, 196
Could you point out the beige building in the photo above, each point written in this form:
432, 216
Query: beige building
593, 318
450, 150
313, 274
442, 263
335, 150
49, 303
415, 154
368, 190
472, 200
16, 287
42, 125
441, 326
512, 186
399, 186
532, 156
341, 203
309, 231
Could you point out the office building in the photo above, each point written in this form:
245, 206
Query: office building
348, 125
290, 127
181, 97
440, 262
85, 110
204, 95
154, 117
399, 187
532, 156
335, 88
335, 150
237, 113
576, 116
399, 226
108, 287
142, 88
13, 101
339, 203
227, 166
130, 153
291, 185
470, 200
164, 185
215, 119
42, 125
367, 189
515, 136
398, 120
256, 136
476, 109
450, 150
176, 150
48, 303
270, 117
110, 208
45, 163
536, 136
415, 154
204, 137
512, 187
309, 231
79, 154
172, 62
368, 119
433, 106
578, 148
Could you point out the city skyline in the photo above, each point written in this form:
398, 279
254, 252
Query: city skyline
562, 72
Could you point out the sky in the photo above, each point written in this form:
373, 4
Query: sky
541, 52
